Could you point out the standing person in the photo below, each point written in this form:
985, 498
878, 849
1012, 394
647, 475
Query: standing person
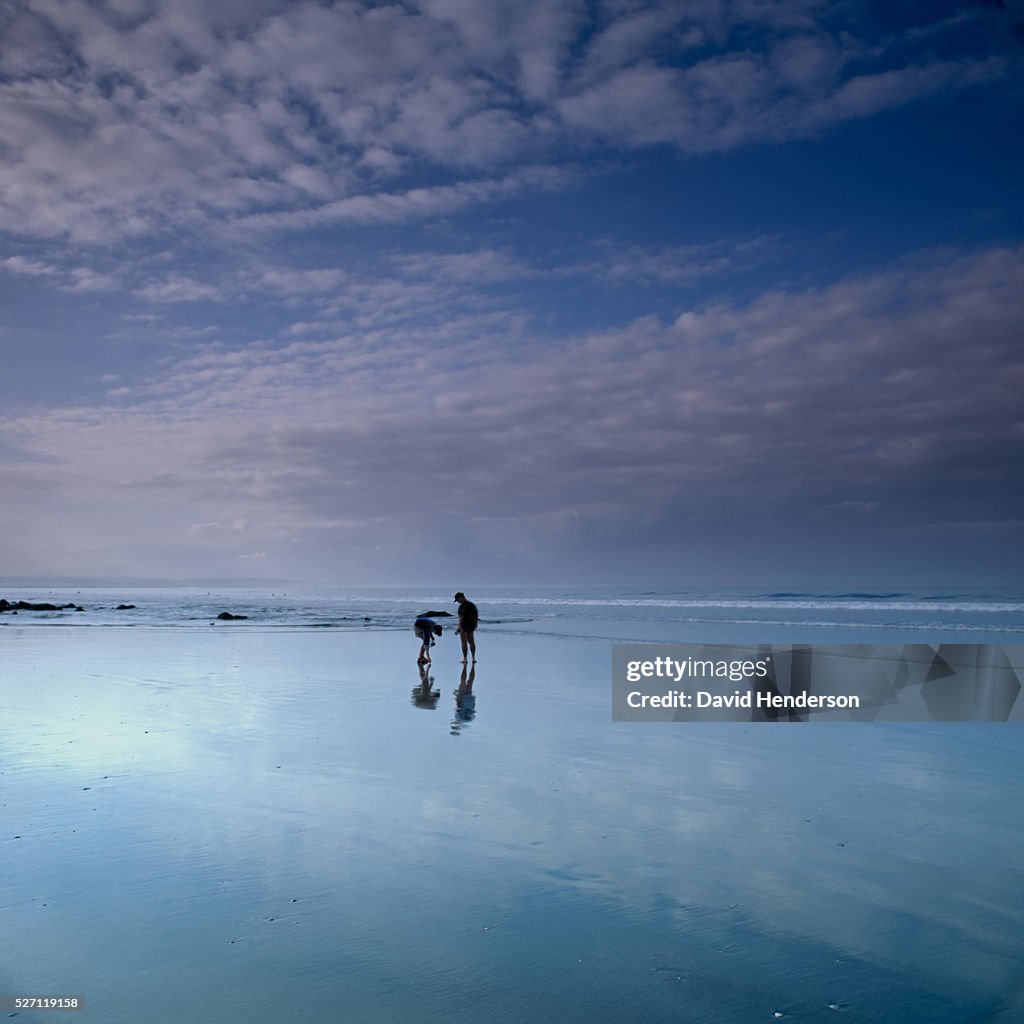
469, 617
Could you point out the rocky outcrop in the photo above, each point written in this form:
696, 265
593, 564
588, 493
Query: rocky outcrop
228, 617
30, 606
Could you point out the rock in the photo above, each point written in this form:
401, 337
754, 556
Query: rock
124, 607
228, 617
28, 606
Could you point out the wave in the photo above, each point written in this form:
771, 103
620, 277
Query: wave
537, 611
856, 595
837, 602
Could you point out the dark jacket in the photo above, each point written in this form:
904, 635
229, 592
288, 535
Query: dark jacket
469, 617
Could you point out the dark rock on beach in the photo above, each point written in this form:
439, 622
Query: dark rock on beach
29, 606
228, 617
124, 607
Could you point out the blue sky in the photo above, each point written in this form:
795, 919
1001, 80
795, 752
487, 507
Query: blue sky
673, 293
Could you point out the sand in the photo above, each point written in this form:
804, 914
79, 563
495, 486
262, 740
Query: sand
267, 825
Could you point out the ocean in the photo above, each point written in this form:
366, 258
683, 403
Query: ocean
622, 615
285, 818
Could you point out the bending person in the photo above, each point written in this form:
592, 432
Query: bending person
426, 629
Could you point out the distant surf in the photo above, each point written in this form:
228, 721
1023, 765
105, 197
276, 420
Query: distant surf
608, 614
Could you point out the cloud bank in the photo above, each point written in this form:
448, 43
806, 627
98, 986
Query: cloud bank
824, 413
125, 120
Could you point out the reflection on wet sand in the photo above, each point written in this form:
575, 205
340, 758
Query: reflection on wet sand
424, 695
248, 806
427, 695
465, 701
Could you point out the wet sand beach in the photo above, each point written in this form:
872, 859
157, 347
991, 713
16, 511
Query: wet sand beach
248, 825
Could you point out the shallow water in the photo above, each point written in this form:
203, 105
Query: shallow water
259, 825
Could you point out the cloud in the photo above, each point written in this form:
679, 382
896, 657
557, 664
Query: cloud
680, 265
71, 279
301, 281
27, 267
85, 279
790, 415
477, 267
414, 203
178, 287
125, 121
864, 95
731, 100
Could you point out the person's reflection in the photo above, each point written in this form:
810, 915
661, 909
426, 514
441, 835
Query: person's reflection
768, 687
465, 700
424, 695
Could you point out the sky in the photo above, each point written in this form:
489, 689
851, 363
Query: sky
702, 293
